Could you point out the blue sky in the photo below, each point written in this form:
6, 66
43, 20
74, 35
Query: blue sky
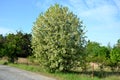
101, 17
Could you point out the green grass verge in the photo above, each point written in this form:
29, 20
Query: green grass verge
60, 76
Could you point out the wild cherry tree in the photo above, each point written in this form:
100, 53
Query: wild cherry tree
58, 39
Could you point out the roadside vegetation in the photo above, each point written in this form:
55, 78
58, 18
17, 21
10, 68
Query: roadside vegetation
79, 75
58, 47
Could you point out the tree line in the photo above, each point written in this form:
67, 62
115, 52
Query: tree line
58, 43
15, 45
104, 55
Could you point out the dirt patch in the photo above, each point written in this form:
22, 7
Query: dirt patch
23, 61
95, 65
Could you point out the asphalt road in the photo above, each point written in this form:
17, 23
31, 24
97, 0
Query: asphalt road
10, 73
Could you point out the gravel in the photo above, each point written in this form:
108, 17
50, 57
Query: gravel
10, 73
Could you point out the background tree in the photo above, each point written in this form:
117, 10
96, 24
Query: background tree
58, 39
11, 47
115, 56
25, 44
17, 45
2, 41
97, 53
92, 50
118, 43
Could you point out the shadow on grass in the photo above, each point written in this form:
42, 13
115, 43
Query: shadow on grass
99, 74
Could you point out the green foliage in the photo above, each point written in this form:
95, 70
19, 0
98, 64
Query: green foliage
24, 44
97, 53
106, 56
11, 47
92, 50
15, 45
115, 56
58, 39
118, 43
103, 55
2, 41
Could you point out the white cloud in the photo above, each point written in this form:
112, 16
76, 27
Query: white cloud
101, 17
92, 10
78, 5
100, 14
117, 2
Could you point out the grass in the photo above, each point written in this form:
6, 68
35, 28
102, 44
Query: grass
65, 76
73, 76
